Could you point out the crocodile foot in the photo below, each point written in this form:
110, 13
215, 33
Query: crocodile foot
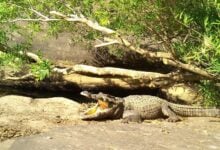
131, 116
174, 119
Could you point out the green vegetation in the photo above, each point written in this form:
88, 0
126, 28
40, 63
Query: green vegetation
41, 69
211, 94
10, 61
201, 43
188, 29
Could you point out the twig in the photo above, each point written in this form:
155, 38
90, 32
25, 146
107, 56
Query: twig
63, 71
34, 20
24, 77
82, 19
31, 55
39, 14
106, 44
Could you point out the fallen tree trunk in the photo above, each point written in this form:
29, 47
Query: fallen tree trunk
134, 74
90, 77
74, 81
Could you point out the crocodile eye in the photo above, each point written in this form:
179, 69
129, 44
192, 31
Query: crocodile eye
111, 104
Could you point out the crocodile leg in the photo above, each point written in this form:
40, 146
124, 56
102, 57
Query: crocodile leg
172, 117
131, 116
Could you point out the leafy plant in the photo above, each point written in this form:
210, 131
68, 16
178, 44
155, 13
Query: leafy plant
211, 93
201, 28
11, 61
41, 69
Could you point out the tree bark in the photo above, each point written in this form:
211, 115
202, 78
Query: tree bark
90, 77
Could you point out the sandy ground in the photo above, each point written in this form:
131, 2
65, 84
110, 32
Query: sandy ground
53, 123
22, 116
194, 133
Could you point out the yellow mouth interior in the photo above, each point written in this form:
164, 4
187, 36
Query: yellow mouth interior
91, 110
100, 105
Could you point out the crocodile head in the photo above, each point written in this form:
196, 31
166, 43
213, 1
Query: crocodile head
106, 108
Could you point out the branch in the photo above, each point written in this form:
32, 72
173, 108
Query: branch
112, 71
39, 14
189, 67
133, 74
168, 59
32, 56
82, 19
106, 44
141, 51
24, 77
31, 20
63, 71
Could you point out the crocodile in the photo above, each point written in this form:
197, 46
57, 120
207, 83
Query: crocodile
136, 108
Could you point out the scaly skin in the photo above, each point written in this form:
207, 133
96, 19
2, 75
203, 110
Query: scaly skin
140, 107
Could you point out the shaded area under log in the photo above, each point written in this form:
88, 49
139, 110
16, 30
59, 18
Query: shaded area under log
68, 90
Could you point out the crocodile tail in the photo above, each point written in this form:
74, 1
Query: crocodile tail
191, 111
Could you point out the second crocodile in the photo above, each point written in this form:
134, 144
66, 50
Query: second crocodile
139, 107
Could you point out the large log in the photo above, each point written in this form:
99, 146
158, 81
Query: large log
89, 77
78, 81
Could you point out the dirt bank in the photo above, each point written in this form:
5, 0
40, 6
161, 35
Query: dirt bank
53, 123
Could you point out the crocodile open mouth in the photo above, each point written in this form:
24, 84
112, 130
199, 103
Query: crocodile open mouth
101, 105
102, 110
